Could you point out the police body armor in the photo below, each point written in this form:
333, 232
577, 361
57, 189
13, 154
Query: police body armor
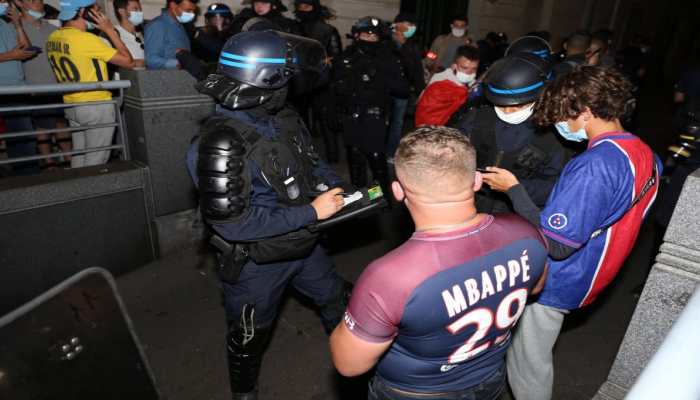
524, 162
286, 163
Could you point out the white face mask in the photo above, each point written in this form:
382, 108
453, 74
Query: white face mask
517, 117
458, 32
465, 78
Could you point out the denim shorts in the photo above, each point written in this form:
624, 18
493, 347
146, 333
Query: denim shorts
489, 389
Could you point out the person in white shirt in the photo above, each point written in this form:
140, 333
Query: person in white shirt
130, 16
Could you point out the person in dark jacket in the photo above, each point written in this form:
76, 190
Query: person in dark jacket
411, 54
270, 10
365, 77
209, 39
317, 105
505, 136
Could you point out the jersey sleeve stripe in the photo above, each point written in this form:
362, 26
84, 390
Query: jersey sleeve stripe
561, 239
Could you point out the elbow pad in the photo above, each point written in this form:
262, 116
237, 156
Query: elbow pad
224, 178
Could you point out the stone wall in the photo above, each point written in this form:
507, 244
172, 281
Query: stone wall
671, 283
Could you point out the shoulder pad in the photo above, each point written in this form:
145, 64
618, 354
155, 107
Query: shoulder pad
224, 179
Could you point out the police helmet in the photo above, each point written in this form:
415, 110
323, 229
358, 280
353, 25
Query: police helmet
275, 3
516, 79
530, 44
368, 25
269, 59
218, 9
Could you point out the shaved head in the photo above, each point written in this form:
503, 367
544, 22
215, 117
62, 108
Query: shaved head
437, 163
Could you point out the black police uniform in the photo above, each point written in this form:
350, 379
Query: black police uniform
365, 77
257, 171
532, 154
279, 21
319, 101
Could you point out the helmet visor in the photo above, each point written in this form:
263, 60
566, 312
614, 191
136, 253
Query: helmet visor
304, 54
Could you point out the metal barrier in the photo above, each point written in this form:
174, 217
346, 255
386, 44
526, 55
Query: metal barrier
63, 88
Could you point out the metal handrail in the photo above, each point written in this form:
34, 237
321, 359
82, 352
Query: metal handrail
57, 130
63, 87
62, 153
53, 106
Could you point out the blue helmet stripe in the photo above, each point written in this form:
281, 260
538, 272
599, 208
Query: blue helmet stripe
516, 91
252, 60
541, 53
236, 64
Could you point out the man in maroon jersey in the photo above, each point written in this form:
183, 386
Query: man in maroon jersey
439, 309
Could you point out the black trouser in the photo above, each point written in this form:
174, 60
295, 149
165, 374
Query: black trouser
357, 161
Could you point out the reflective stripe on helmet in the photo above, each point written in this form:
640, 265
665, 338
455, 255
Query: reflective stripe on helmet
234, 64
541, 53
252, 60
516, 91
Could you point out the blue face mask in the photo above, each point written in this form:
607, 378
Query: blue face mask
3, 8
563, 129
36, 14
89, 25
136, 17
410, 32
185, 17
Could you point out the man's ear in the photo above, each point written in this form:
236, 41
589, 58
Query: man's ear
587, 114
478, 181
397, 190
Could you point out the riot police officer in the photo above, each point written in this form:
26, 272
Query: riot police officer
531, 44
317, 105
365, 77
270, 10
504, 135
209, 39
259, 181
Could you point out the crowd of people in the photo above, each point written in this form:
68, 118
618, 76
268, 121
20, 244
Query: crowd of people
516, 223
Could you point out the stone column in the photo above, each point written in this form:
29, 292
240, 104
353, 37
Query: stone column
163, 112
671, 283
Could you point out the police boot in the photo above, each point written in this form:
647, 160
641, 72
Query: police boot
358, 167
380, 171
246, 344
332, 312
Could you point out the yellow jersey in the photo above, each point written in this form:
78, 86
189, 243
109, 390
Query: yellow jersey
77, 56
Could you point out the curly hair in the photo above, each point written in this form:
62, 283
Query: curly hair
602, 90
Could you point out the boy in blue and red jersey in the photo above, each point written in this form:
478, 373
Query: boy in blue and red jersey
591, 219
439, 309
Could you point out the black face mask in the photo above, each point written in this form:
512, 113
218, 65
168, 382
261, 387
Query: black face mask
370, 47
307, 16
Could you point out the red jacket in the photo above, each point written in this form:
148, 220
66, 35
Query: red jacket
440, 99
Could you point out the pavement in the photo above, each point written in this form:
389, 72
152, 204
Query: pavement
175, 304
